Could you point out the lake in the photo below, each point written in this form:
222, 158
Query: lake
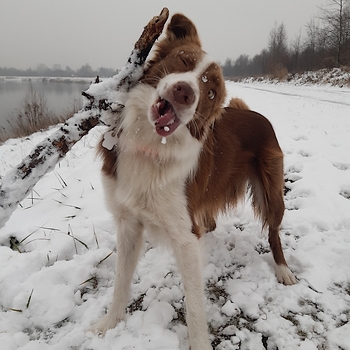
61, 94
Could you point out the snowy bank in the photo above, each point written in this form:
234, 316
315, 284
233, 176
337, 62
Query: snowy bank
332, 77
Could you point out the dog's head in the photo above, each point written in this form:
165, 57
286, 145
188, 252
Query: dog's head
189, 86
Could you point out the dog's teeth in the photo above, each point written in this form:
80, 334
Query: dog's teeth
166, 128
163, 140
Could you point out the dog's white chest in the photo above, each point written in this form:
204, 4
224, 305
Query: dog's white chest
145, 185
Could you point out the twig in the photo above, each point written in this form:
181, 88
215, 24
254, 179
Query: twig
105, 258
29, 299
96, 240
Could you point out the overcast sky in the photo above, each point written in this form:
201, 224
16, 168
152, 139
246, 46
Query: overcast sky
102, 32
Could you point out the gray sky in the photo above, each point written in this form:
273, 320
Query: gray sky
102, 32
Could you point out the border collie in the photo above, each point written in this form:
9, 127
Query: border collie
180, 159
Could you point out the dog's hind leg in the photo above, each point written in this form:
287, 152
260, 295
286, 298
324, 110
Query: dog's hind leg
129, 243
267, 190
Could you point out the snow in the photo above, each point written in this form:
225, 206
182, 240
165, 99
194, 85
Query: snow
66, 248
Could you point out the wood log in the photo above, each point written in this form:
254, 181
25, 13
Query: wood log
98, 98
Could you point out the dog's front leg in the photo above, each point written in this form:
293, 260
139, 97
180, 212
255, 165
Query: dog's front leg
188, 256
129, 243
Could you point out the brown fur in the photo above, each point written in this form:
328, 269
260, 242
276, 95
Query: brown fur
183, 56
240, 150
238, 103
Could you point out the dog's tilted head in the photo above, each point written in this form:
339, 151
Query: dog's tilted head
189, 86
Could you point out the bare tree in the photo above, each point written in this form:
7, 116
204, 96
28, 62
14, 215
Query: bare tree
326, 45
241, 65
278, 50
296, 48
227, 68
315, 48
336, 17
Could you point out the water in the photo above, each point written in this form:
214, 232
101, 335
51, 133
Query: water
61, 95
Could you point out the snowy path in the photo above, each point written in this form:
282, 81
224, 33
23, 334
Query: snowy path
61, 280
323, 94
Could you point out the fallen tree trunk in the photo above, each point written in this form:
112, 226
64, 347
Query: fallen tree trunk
99, 97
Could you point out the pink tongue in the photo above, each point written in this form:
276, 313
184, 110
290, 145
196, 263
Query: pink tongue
166, 124
165, 119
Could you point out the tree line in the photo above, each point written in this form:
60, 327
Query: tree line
326, 45
57, 71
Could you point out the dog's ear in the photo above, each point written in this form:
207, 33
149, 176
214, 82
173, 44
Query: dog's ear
180, 27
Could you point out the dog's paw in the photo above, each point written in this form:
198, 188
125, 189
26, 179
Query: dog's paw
285, 275
101, 327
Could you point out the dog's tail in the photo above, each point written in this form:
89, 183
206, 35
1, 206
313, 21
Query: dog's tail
238, 103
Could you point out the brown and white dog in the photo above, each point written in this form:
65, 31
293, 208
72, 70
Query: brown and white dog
180, 160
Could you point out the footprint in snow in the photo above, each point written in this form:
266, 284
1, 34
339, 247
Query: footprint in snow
345, 193
300, 137
342, 166
305, 154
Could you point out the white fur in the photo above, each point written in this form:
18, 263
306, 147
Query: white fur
285, 275
149, 193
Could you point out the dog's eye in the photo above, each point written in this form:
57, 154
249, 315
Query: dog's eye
184, 61
211, 94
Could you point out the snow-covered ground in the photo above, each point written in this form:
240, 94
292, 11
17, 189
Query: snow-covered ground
57, 250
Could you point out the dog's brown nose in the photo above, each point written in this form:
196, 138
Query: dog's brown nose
183, 93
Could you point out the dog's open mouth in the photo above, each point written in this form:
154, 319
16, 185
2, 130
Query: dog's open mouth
165, 119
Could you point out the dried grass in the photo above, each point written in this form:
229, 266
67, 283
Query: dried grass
32, 117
